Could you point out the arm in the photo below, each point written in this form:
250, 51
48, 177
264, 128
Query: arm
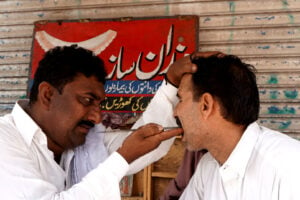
161, 105
160, 110
30, 172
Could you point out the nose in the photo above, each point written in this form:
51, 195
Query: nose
94, 115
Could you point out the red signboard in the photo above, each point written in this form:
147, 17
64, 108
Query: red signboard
136, 52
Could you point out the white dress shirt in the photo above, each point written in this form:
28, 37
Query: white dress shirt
265, 165
28, 169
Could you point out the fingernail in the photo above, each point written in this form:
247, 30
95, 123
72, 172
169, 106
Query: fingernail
160, 128
194, 68
220, 55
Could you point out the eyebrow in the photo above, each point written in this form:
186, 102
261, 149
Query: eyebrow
95, 96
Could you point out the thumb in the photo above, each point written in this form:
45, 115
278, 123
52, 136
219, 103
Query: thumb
169, 133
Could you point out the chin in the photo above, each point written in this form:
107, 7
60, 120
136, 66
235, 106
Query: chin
190, 148
78, 142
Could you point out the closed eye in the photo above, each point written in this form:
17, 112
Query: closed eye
86, 101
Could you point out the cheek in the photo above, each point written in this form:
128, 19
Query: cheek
193, 132
66, 120
181, 109
68, 110
191, 114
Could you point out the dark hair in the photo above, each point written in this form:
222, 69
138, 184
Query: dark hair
232, 83
61, 65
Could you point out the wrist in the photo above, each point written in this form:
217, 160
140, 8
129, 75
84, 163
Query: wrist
126, 155
169, 81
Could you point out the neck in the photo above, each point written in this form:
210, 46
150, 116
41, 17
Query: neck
39, 119
228, 137
56, 149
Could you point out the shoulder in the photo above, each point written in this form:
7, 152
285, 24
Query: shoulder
278, 150
9, 134
274, 142
6, 125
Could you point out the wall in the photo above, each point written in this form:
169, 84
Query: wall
265, 33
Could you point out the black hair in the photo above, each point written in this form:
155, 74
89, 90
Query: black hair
232, 83
61, 65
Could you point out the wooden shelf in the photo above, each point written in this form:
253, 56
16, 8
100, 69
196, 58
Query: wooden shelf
164, 174
150, 183
132, 198
161, 172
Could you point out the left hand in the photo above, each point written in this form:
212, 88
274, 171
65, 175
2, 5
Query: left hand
184, 65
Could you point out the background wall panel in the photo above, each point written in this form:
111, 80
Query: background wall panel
263, 33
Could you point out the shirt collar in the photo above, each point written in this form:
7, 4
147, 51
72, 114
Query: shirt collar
26, 125
239, 158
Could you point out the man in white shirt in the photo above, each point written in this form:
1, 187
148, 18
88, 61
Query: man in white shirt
218, 106
64, 105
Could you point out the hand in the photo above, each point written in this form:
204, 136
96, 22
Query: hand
144, 140
184, 65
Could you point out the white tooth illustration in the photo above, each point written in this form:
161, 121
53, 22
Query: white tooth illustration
96, 44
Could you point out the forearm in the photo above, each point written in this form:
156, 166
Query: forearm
100, 183
160, 111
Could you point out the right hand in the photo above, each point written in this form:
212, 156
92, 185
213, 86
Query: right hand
144, 140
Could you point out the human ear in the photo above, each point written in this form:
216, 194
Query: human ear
45, 94
206, 105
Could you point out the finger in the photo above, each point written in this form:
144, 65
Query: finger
207, 54
188, 66
170, 133
194, 68
221, 55
151, 129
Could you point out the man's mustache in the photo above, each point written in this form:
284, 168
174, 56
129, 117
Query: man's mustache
178, 122
86, 123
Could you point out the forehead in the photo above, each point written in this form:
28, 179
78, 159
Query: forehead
86, 85
185, 84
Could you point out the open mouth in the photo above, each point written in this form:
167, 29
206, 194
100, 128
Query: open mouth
178, 122
182, 134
